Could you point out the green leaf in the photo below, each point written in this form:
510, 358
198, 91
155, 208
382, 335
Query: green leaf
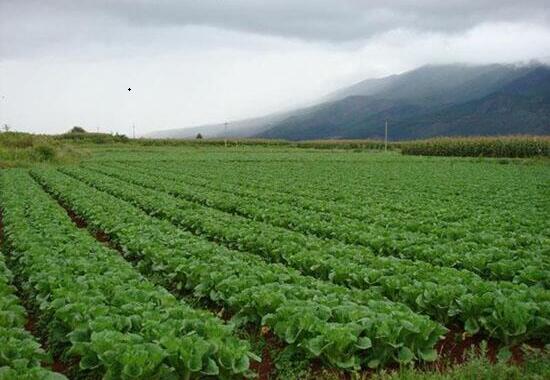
374, 363
89, 361
79, 335
132, 370
471, 326
405, 355
194, 363
428, 355
212, 368
241, 364
315, 345
504, 354
254, 357
364, 343
52, 376
349, 362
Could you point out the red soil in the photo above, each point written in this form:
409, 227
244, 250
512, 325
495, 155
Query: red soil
455, 346
60, 367
266, 367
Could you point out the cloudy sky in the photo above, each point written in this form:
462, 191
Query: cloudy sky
190, 62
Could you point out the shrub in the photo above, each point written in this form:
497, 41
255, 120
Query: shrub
77, 129
16, 140
43, 153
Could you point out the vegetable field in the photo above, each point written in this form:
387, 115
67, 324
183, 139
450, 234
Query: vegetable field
171, 263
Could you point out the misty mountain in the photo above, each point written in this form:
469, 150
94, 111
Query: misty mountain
435, 84
519, 107
340, 119
239, 128
433, 100
447, 100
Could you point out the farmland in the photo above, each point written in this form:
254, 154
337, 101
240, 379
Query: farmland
210, 262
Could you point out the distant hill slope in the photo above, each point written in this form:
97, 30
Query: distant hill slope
345, 118
433, 100
520, 107
239, 128
436, 84
489, 100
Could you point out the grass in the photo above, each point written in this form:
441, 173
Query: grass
23, 149
536, 366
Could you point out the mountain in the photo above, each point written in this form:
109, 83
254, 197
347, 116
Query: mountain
340, 119
435, 84
520, 107
433, 100
447, 100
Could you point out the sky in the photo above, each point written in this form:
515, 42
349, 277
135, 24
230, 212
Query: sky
190, 62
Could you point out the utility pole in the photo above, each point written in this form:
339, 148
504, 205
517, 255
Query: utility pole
225, 134
386, 137
134, 131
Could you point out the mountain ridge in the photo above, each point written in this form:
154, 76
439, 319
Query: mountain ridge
432, 100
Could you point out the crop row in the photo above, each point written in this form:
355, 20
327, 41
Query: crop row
461, 203
97, 310
373, 183
508, 311
321, 319
489, 262
20, 354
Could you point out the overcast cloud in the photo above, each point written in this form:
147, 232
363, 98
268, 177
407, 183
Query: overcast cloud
65, 63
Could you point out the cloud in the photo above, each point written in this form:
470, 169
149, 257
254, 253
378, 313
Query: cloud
331, 20
65, 63
68, 24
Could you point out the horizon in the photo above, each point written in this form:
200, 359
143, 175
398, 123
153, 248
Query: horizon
532, 62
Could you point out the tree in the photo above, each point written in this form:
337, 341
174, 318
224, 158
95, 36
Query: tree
77, 129
199, 136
